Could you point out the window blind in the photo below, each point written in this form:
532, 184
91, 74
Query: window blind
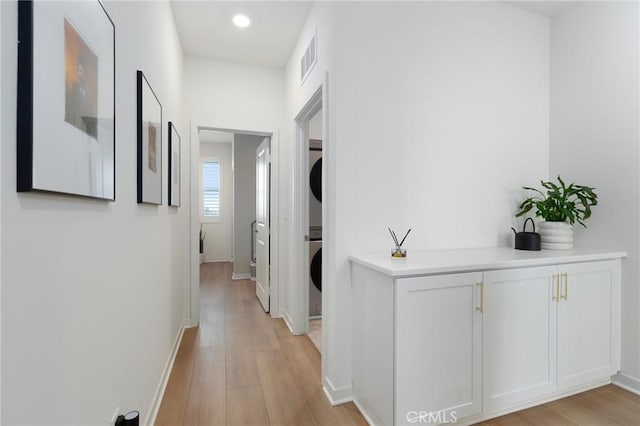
211, 188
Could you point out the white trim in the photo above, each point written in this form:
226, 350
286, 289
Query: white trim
337, 396
217, 259
300, 214
164, 379
243, 276
627, 383
364, 412
287, 320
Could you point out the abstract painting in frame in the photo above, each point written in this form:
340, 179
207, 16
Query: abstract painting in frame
66, 99
149, 143
174, 166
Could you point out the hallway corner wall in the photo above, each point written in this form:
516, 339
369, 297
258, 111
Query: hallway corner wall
595, 139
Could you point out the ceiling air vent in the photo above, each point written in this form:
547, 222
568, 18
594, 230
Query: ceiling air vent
308, 60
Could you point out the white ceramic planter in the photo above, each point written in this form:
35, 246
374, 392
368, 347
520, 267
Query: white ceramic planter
556, 235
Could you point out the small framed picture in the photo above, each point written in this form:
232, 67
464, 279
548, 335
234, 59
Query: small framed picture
174, 166
66, 99
149, 143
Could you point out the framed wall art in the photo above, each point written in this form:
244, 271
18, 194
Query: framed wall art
66, 99
174, 166
149, 143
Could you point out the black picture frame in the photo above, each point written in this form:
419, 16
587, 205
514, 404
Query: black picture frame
175, 166
65, 137
149, 131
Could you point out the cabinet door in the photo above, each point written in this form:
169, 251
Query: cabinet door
588, 322
438, 348
519, 329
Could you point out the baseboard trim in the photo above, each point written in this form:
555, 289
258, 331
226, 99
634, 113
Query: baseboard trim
337, 396
287, 320
627, 383
157, 400
218, 259
243, 276
364, 412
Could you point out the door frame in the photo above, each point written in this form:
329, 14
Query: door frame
192, 291
299, 247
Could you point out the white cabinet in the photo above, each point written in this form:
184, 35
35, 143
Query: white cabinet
438, 364
547, 329
519, 336
588, 322
471, 334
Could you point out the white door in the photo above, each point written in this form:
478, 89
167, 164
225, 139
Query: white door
519, 330
587, 323
262, 223
438, 347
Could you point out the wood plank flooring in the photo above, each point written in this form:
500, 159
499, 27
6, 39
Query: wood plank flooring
242, 367
607, 405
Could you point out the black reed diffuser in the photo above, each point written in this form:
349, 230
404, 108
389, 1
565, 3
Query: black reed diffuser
398, 252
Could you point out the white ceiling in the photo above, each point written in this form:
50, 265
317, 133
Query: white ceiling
546, 8
206, 30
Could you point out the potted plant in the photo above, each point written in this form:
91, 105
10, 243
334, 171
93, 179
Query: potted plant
561, 206
202, 237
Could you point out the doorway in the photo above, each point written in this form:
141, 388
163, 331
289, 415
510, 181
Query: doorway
236, 246
314, 266
310, 230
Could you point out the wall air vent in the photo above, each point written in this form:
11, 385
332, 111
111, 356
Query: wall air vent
308, 60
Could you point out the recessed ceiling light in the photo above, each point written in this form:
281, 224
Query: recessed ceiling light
241, 21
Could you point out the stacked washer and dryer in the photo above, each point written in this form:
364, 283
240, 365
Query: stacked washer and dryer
315, 228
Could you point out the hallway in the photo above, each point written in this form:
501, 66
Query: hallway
242, 367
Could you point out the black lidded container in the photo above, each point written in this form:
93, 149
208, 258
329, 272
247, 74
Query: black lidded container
527, 240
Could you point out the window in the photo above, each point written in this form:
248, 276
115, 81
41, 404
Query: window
211, 190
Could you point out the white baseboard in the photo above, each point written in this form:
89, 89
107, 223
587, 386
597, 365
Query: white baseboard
287, 320
243, 276
217, 259
335, 395
627, 382
157, 400
364, 412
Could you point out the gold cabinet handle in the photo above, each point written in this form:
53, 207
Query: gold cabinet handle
480, 308
555, 287
564, 294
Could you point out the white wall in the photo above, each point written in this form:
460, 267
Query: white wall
245, 98
244, 199
231, 96
438, 113
595, 138
218, 244
92, 291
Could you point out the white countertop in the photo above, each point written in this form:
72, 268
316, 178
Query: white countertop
476, 259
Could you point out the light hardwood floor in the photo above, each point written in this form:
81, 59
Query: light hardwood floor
607, 405
241, 367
